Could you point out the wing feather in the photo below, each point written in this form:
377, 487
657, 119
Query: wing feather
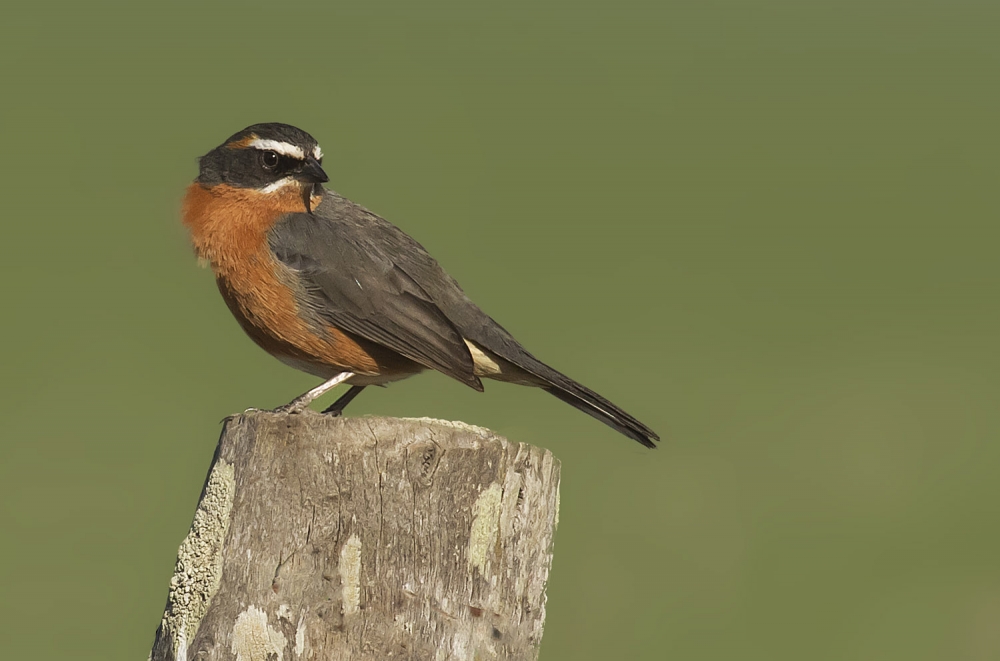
354, 282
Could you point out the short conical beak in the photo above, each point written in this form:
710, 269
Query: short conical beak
312, 172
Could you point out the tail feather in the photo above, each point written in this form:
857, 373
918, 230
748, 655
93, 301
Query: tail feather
639, 432
477, 326
575, 394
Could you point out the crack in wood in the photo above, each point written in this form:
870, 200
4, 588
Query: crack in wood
444, 553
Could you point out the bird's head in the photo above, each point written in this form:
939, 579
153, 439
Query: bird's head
268, 158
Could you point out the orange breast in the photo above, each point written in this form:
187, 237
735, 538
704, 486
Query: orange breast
229, 229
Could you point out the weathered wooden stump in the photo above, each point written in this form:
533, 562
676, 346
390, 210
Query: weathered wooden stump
364, 538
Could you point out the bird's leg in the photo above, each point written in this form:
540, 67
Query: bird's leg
338, 406
299, 404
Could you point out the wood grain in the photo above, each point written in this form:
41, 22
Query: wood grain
364, 538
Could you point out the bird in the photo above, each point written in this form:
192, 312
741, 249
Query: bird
332, 289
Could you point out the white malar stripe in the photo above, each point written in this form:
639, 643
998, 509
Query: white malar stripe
283, 148
278, 185
317, 153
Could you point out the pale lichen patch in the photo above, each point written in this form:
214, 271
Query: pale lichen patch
254, 639
485, 526
350, 574
300, 636
460, 648
198, 571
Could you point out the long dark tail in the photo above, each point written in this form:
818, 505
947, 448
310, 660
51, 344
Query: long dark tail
588, 401
500, 342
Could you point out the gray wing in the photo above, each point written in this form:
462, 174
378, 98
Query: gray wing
370, 278
354, 279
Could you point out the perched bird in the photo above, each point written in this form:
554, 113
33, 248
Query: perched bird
330, 288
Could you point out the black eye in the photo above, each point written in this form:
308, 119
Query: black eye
269, 160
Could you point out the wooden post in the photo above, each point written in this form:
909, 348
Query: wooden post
321, 538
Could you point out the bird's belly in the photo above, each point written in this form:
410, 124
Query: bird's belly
269, 313
380, 379
328, 371
266, 297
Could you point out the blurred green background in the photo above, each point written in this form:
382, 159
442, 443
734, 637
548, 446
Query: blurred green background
767, 229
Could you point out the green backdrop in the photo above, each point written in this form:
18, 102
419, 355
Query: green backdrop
768, 229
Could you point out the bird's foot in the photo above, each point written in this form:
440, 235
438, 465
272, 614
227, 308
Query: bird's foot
290, 408
293, 407
336, 409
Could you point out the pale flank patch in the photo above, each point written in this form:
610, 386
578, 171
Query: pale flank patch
284, 148
483, 364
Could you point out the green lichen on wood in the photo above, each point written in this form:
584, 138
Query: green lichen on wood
485, 526
199, 560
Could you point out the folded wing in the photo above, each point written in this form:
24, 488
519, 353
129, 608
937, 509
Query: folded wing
354, 283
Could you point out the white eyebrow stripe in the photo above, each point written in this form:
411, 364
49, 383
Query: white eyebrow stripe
317, 153
278, 185
283, 148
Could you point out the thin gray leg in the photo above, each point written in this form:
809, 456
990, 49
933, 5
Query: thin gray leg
299, 404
